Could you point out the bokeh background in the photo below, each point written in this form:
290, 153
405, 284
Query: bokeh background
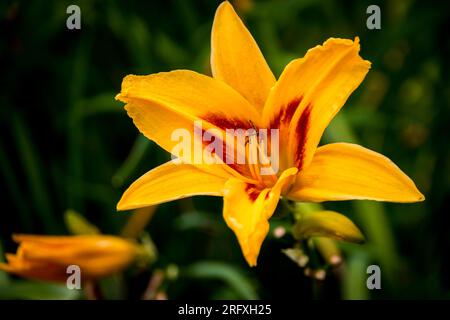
66, 144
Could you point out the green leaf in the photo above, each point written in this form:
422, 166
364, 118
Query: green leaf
101, 103
328, 224
37, 291
32, 169
231, 275
140, 147
112, 287
194, 220
77, 224
4, 277
355, 277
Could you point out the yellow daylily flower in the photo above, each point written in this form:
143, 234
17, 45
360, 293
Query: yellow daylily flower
47, 257
243, 93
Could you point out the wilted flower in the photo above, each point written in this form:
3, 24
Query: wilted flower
48, 257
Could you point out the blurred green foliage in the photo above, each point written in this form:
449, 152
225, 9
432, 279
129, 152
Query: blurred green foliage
66, 144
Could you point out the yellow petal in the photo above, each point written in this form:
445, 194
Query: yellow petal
236, 58
328, 224
172, 181
310, 91
344, 171
247, 210
164, 102
187, 94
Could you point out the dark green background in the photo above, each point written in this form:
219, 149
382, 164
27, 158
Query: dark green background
67, 144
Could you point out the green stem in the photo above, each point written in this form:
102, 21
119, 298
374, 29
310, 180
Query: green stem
140, 147
34, 173
74, 126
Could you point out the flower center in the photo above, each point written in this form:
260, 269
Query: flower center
262, 158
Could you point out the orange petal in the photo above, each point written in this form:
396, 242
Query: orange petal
310, 91
236, 58
172, 181
344, 171
47, 257
169, 102
34, 269
247, 210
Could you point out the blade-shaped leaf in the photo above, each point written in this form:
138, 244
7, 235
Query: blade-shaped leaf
234, 277
77, 224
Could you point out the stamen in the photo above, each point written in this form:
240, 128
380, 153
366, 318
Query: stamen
251, 148
262, 154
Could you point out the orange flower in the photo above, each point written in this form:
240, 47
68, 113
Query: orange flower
242, 94
47, 257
